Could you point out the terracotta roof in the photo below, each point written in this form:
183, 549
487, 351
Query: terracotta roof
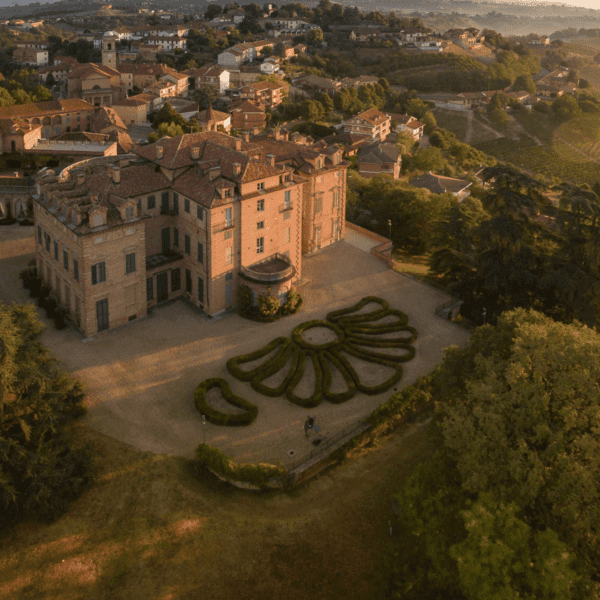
406, 121
378, 153
106, 117
91, 68
43, 109
131, 101
246, 106
438, 184
17, 126
209, 71
265, 85
373, 116
211, 115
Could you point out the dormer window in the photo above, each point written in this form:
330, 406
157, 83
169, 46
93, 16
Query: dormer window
129, 212
97, 220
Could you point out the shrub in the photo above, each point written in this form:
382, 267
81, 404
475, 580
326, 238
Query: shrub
356, 347
372, 390
44, 294
256, 474
298, 339
233, 363
220, 418
50, 306
325, 358
245, 299
336, 315
268, 306
59, 317
293, 302
27, 276
257, 381
315, 398
35, 286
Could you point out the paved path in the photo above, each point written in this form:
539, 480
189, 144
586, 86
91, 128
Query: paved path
141, 378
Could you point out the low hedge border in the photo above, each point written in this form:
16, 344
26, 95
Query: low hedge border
392, 357
315, 398
258, 475
334, 316
370, 390
367, 340
326, 357
233, 364
253, 314
297, 335
257, 382
220, 418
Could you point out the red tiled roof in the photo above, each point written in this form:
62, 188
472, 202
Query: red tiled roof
373, 116
43, 109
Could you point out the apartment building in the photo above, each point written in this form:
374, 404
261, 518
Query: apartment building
371, 123
192, 216
266, 93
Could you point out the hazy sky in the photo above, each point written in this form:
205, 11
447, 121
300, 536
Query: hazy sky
586, 3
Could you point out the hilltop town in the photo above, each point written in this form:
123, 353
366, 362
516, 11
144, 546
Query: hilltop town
297, 301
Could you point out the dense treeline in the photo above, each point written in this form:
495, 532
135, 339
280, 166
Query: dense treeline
41, 468
508, 506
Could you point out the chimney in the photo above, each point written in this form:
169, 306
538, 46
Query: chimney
159, 151
238, 144
271, 159
116, 174
237, 168
195, 153
246, 136
214, 173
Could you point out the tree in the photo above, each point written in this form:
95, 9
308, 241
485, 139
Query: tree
519, 409
212, 11
565, 107
167, 129
314, 37
311, 110
499, 117
41, 468
167, 114
525, 83
429, 159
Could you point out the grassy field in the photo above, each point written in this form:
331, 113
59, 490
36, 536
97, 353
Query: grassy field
149, 529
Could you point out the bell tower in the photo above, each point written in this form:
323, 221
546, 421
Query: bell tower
109, 49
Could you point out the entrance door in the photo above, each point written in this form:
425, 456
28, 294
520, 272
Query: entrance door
102, 314
162, 286
228, 293
166, 239
318, 237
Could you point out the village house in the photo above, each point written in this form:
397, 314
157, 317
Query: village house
407, 124
266, 93
61, 68
213, 120
212, 76
438, 184
376, 158
133, 110
371, 123
192, 217
247, 115
31, 57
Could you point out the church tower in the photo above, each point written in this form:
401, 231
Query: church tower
109, 49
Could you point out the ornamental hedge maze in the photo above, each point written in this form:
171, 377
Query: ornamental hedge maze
364, 336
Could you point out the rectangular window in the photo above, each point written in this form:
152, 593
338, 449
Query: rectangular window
75, 269
260, 225
98, 273
260, 245
286, 215
149, 289
200, 253
188, 281
47, 243
129, 212
287, 235
288, 198
228, 255
318, 204
336, 198
200, 289
151, 202
55, 250
39, 235
66, 260
186, 205
164, 202
229, 276
200, 213
176, 203
188, 244
130, 263
260, 205
261, 186
176, 236
228, 217
175, 280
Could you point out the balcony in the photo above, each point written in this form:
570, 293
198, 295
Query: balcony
273, 269
286, 207
224, 226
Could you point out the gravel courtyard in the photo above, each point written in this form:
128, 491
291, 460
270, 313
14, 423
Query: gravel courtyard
141, 378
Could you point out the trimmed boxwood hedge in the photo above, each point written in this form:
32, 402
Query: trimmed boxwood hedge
234, 363
356, 347
371, 390
297, 335
336, 315
255, 474
217, 417
315, 398
257, 382
326, 357
396, 342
